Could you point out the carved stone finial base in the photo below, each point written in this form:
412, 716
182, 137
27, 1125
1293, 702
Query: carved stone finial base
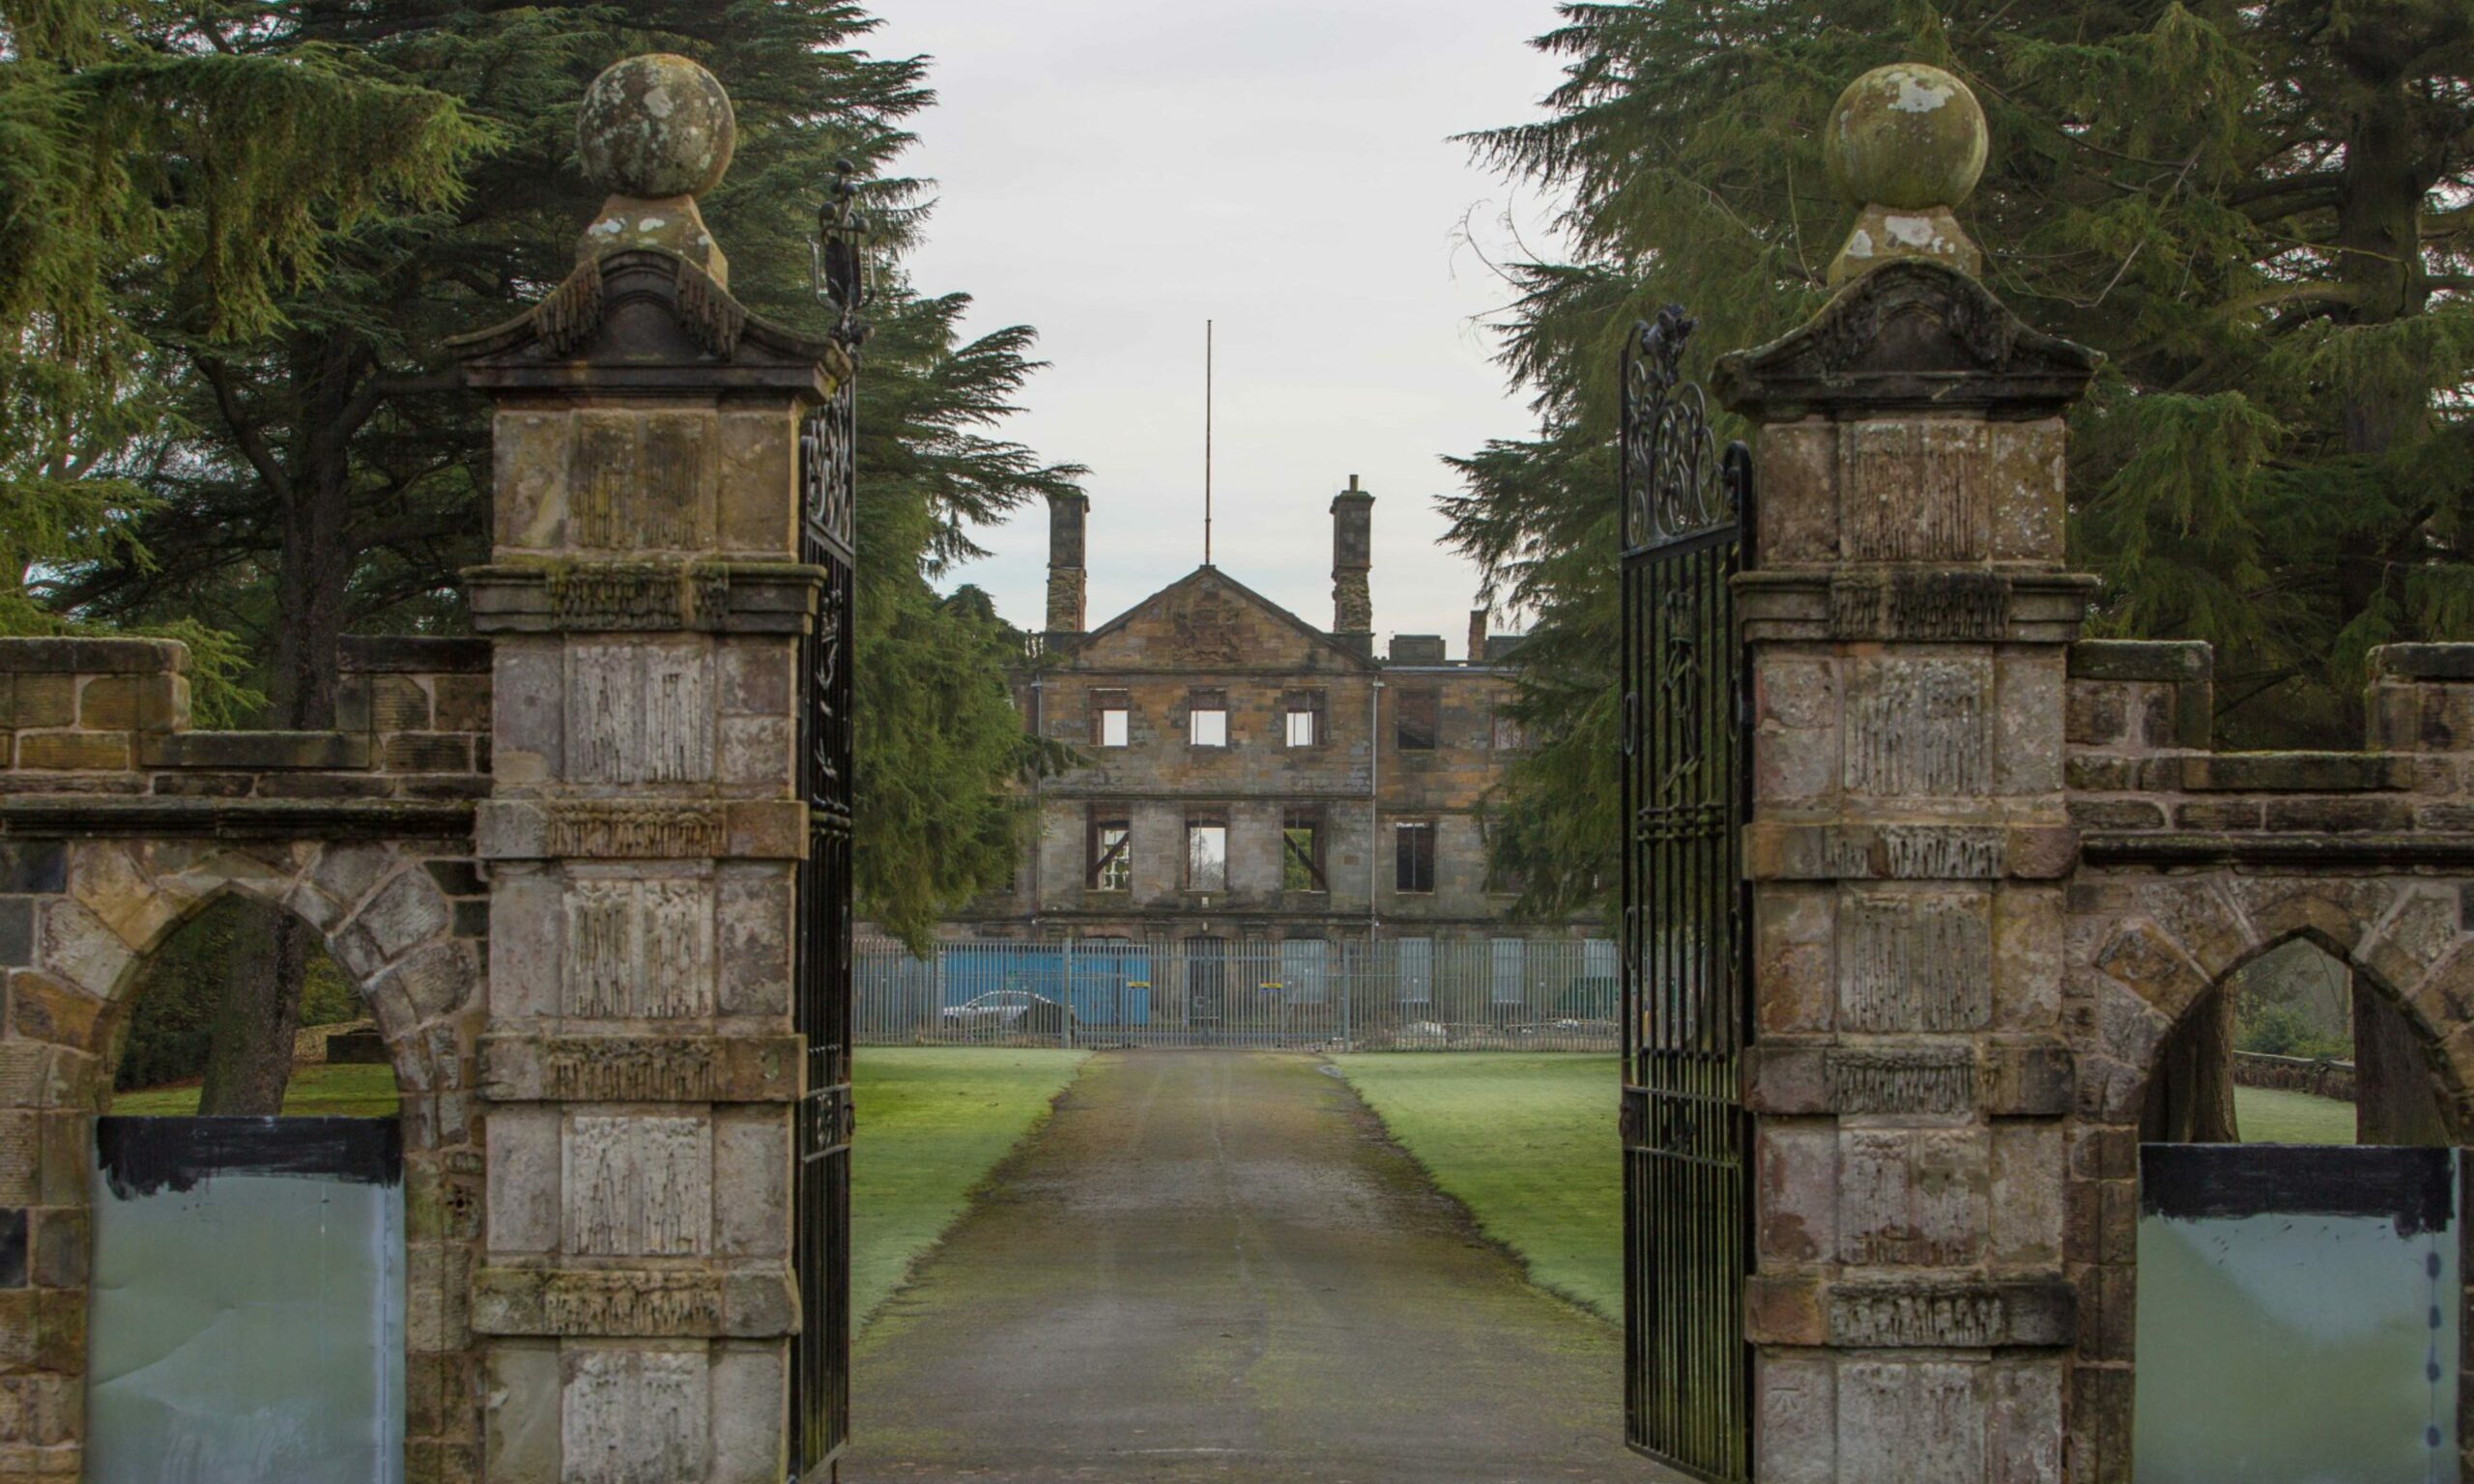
1884, 234
669, 222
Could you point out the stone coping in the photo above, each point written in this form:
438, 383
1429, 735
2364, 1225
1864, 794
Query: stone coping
2310, 852
2143, 659
188, 818
50, 655
415, 654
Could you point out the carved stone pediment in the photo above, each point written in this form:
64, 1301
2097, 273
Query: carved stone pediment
647, 320
1909, 335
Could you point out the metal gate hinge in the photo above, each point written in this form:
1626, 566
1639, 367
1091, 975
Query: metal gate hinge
1632, 1118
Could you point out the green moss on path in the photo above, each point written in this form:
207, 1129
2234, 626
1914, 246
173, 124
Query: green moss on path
933, 1121
1527, 1143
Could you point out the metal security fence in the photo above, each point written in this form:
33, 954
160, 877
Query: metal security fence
1411, 994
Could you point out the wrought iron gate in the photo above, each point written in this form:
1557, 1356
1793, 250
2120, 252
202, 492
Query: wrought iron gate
1685, 506
821, 1252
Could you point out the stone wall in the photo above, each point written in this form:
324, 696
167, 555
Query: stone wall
118, 823
2317, 1077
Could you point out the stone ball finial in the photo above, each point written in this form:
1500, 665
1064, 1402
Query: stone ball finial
656, 125
1907, 136
1905, 144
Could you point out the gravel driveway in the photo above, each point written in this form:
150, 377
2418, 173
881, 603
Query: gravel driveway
1213, 1266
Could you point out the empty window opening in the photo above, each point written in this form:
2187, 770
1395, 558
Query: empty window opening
1510, 737
1207, 720
1206, 855
2294, 1047
1112, 855
1302, 719
1111, 718
1416, 721
1301, 851
1414, 850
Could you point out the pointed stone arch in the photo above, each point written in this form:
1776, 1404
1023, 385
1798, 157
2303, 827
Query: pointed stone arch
78, 918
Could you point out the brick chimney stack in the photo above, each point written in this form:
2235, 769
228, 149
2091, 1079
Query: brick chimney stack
1067, 515
1352, 558
1477, 636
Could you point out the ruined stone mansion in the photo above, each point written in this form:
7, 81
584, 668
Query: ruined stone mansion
1250, 776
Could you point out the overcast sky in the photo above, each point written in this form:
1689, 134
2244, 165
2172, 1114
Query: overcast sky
1115, 172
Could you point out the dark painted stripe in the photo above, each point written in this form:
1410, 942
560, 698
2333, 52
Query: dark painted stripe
144, 1156
2412, 1188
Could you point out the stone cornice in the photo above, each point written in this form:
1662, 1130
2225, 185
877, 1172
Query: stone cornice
647, 595
1914, 604
1907, 336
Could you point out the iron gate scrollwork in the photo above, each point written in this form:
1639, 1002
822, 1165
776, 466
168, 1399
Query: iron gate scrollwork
1685, 509
828, 539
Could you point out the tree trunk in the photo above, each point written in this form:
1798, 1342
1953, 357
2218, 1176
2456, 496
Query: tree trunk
2395, 1099
2190, 1096
249, 1056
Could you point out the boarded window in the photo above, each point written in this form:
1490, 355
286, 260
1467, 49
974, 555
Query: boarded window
1511, 971
1301, 851
1112, 855
1111, 718
1206, 854
1414, 851
1303, 970
1416, 720
1413, 967
1207, 719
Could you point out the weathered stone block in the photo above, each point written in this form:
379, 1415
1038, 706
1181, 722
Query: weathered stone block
1783, 1309
527, 712
2029, 1170
1796, 1416
638, 948
1919, 728
1798, 510
2028, 479
752, 1182
407, 910
751, 1390
1914, 960
73, 751
2096, 714
80, 947
1914, 491
758, 493
528, 916
755, 907
1794, 931
1916, 1421
634, 1415
1797, 1215
524, 1173
638, 1186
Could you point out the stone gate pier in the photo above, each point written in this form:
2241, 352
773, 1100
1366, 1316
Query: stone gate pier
1994, 867
561, 859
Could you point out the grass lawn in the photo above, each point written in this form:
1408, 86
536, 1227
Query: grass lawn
362, 1091
1527, 1143
2267, 1115
933, 1121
